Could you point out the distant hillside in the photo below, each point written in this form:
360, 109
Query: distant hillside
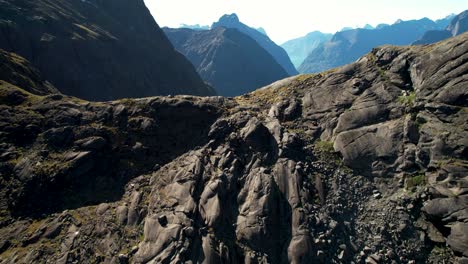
232, 62
299, 48
97, 50
457, 26
433, 36
444, 22
280, 55
347, 46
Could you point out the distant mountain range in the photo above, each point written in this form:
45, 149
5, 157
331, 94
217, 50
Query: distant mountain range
347, 46
97, 50
231, 61
195, 27
280, 55
299, 48
457, 26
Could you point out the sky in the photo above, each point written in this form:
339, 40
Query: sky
285, 20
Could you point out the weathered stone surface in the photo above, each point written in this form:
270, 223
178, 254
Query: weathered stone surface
377, 175
458, 238
91, 143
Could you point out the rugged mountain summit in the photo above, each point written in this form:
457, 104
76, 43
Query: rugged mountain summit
230, 61
98, 50
280, 55
457, 26
363, 163
347, 46
299, 48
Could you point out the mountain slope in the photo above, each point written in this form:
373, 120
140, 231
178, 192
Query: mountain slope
363, 163
232, 21
299, 48
230, 61
444, 22
347, 46
97, 50
18, 71
457, 26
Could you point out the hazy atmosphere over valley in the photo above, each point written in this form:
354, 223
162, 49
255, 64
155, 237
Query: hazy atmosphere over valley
220, 131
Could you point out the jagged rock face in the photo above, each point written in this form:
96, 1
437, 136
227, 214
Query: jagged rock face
365, 163
278, 53
347, 46
230, 61
97, 50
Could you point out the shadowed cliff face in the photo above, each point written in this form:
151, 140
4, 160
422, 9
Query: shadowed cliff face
231, 61
364, 163
18, 71
278, 53
97, 50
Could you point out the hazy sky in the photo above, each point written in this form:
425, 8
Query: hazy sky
284, 20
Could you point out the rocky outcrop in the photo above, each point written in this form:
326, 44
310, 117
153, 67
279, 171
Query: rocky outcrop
365, 164
278, 53
97, 50
230, 61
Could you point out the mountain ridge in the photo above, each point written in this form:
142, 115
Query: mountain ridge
299, 48
457, 26
347, 46
98, 50
280, 55
230, 61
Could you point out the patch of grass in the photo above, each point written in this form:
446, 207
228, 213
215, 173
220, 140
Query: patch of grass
35, 225
441, 251
51, 166
265, 97
324, 146
88, 31
407, 99
304, 77
7, 90
326, 152
414, 181
371, 57
451, 161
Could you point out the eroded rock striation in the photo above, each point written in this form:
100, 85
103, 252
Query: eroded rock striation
365, 163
